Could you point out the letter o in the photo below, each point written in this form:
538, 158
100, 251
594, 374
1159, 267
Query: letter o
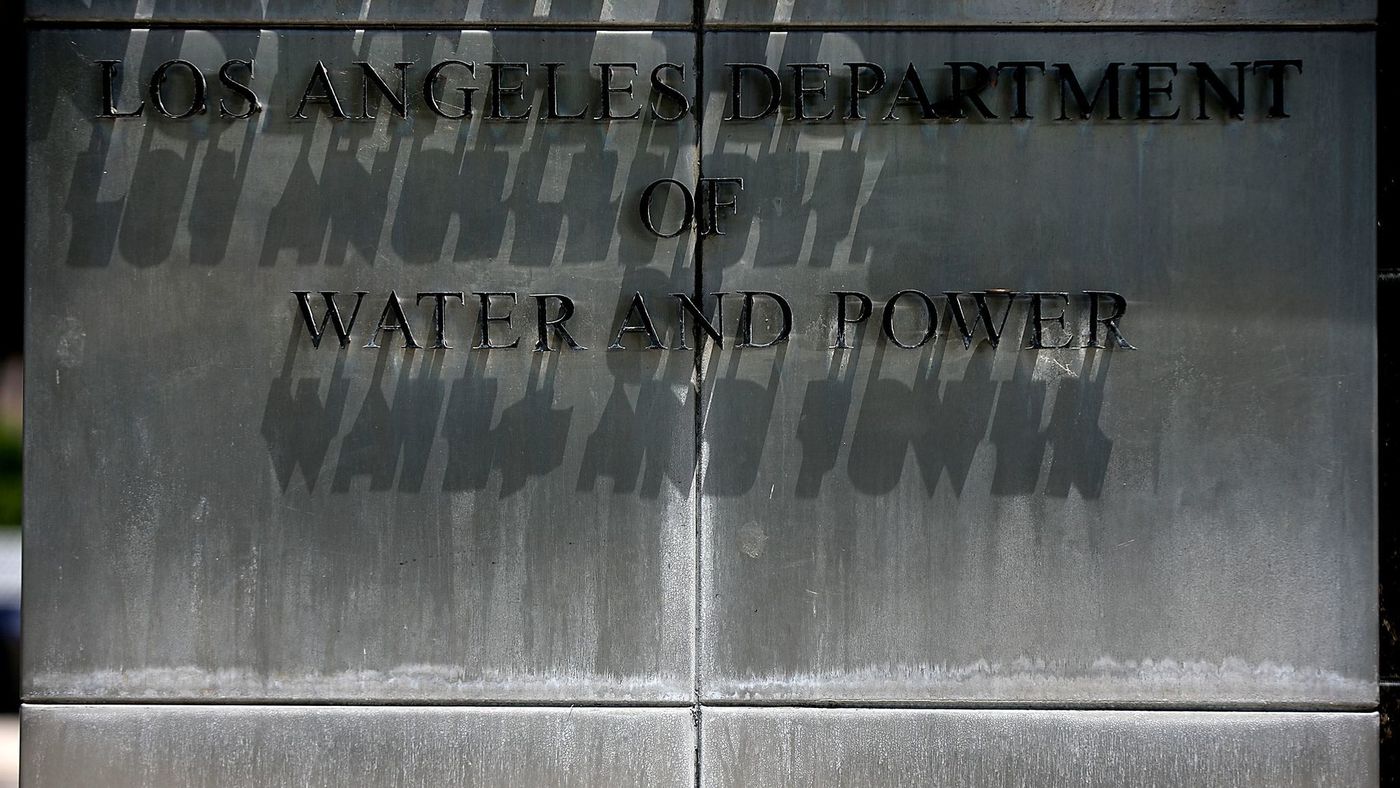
646, 208
929, 310
196, 101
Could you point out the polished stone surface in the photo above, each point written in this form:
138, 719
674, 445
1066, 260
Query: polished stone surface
218, 509
134, 745
1188, 523
579, 12
641, 12
1156, 544
1113, 749
1031, 12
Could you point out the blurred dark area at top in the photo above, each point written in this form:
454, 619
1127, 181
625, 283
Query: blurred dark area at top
1388, 383
11, 409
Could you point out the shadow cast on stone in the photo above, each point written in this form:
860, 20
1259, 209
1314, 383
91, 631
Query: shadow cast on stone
391, 442
141, 224
631, 445
531, 192
385, 427
732, 462
1036, 413
299, 422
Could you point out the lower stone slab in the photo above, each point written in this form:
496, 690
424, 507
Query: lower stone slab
870, 747
252, 745
175, 745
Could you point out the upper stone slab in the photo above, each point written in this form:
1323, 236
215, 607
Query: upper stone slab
1034, 12
745, 12
584, 12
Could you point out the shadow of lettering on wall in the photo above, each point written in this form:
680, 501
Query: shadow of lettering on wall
464, 419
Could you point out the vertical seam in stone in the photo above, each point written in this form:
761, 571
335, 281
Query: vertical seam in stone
698, 21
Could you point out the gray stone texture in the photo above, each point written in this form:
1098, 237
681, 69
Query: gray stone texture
1190, 522
1044, 12
1153, 544
367, 12
216, 509
316, 747
1112, 749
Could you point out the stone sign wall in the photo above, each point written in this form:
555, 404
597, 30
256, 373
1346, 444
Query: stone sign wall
741, 393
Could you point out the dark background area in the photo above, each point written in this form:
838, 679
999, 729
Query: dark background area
1387, 298
11, 359
13, 341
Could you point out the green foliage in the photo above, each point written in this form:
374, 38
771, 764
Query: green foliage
11, 462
